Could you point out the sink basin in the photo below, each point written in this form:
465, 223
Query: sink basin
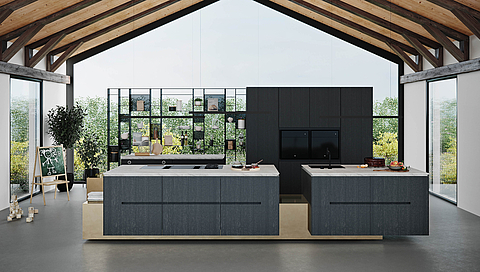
325, 166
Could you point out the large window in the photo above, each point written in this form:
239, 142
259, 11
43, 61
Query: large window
442, 155
24, 133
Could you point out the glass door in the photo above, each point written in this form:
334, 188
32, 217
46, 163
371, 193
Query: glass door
442, 157
25, 123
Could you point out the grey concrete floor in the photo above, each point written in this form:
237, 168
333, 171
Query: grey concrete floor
53, 242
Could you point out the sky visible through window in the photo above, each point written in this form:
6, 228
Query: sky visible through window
235, 43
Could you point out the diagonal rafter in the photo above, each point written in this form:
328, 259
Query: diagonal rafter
31, 60
468, 20
435, 60
437, 30
355, 26
416, 40
53, 65
87, 22
416, 66
116, 25
9, 8
451, 5
468, 16
49, 19
20, 43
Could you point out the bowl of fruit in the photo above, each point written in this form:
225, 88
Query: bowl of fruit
396, 165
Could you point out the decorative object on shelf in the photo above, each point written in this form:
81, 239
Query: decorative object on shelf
124, 136
65, 125
182, 139
140, 105
91, 155
184, 127
230, 144
199, 145
15, 211
230, 119
172, 108
168, 140
240, 139
179, 105
241, 123
157, 148
186, 139
137, 138
198, 101
198, 135
211, 140
145, 141
212, 104
198, 128
215, 123
140, 125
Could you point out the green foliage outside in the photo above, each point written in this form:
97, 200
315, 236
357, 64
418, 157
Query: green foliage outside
448, 141
448, 162
19, 164
385, 130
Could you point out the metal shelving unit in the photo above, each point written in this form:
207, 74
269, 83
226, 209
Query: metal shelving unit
158, 117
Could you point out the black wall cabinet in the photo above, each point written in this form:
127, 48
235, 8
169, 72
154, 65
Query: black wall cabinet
294, 107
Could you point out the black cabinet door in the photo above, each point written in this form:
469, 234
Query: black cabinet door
132, 206
249, 205
356, 124
336, 206
404, 206
357, 101
294, 108
324, 102
262, 125
191, 206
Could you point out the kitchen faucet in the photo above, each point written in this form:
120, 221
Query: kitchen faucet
329, 159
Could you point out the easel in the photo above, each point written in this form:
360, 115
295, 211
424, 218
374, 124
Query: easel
46, 170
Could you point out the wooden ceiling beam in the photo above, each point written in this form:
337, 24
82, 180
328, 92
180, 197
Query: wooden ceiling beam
9, 8
20, 42
50, 18
459, 53
416, 65
115, 26
53, 65
454, 5
436, 60
354, 25
382, 22
32, 59
87, 22
468, 20
419, 19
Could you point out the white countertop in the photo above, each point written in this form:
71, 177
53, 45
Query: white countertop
176, 157
137, 171
352, 170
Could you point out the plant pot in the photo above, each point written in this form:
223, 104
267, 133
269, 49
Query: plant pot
198, 103
91, 173
62, 187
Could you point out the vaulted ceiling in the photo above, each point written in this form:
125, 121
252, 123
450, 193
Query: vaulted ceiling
414, 30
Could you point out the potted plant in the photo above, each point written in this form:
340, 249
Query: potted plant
65, 126
198, 101
91, 154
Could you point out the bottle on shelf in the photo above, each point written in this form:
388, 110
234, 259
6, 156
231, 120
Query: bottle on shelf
182, 139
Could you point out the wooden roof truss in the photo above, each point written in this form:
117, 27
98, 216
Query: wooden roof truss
414, 30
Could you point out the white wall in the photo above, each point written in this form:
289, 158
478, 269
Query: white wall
53, 94
468, 130
468, 147
4, 140
415, 125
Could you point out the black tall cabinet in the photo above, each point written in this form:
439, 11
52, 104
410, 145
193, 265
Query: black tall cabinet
275, 109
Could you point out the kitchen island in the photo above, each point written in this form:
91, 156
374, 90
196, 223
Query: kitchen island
366, 201
142, 200
173, 159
